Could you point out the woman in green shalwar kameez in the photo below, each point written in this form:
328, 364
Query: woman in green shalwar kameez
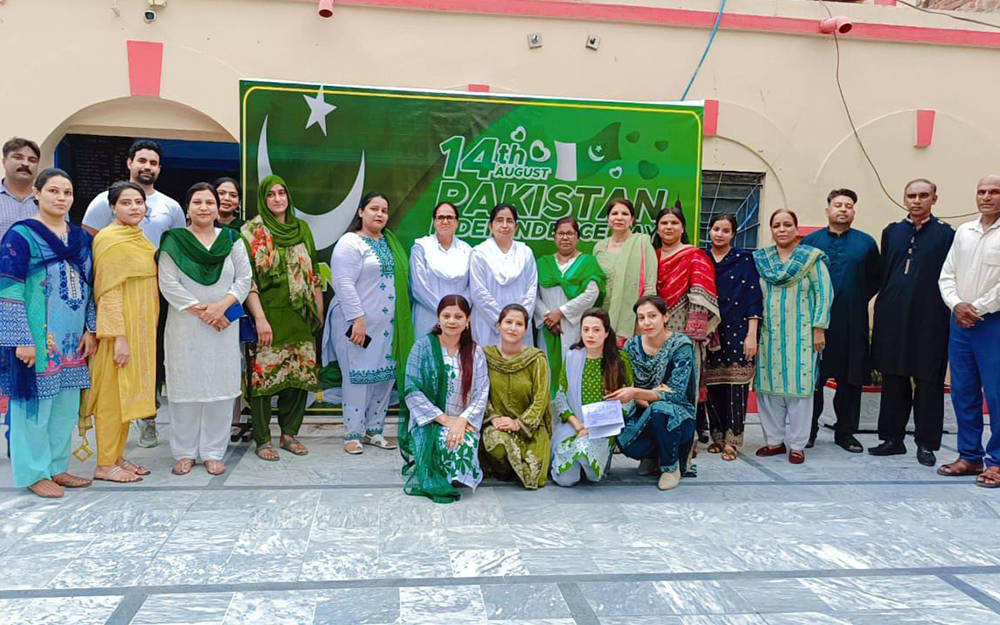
517, 428
287, 291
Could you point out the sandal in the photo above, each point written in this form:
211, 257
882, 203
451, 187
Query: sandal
960, 468
714, 448
132, 467
267, 452
183, 466
67, 480
214, 467
354, 447
47, 489
990, 478
377, 440
119, 475
797, 456
293, 446
729, 453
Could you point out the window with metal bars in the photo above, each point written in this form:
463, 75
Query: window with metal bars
735, 193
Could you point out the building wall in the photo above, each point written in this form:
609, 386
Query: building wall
780, 110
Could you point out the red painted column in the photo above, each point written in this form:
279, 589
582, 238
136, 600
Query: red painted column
925, 128
711, 123
145, 67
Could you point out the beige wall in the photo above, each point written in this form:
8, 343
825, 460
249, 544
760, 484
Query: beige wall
66, 71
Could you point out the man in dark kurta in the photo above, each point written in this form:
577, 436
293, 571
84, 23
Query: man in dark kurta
854, 270
910, 336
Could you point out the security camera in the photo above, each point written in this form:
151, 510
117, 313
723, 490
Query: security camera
149, 16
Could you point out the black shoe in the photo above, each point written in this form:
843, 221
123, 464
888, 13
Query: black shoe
811, 443
926, 457
888, 448
849, 443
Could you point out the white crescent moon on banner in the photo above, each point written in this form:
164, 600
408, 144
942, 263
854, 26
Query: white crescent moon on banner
328, 227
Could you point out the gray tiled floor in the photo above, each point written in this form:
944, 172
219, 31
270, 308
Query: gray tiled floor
843, 539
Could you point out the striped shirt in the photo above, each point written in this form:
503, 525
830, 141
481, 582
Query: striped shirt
13, 210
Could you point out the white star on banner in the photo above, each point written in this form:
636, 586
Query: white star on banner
318, 110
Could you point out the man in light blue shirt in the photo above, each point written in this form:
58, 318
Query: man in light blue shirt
145, 158
17, 198
162, 212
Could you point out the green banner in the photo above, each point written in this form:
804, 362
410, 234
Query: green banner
548, 157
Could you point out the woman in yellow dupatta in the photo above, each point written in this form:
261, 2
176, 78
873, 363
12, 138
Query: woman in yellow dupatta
123, 372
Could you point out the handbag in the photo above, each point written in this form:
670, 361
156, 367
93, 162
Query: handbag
248, 329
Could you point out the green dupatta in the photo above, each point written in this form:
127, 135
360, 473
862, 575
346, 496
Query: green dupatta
402, 330
423, 465
287, 233
584, 270
204, 266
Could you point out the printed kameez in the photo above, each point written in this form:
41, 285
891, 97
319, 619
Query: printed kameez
285, 275
581, 382
432, 387
45, 301
519, 389
728, 372
663, 431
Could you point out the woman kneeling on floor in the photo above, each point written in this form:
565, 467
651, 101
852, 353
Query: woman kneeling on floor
593, 368
443, 400
660, 431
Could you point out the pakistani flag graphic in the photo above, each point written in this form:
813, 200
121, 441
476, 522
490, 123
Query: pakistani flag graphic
575, 161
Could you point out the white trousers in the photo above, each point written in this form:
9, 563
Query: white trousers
364, 407
200, 430
785, 420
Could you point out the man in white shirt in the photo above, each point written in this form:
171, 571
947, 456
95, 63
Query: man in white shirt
162, 213
970, 286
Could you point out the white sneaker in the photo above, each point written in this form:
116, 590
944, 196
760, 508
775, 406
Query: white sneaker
147, 432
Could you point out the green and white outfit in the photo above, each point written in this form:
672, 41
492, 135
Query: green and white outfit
433, 386
581, 382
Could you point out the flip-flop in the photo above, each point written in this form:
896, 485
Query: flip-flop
135, 468
183, 466
355, 451
115, 471
993, 476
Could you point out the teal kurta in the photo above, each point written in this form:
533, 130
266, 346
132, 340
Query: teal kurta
797, 297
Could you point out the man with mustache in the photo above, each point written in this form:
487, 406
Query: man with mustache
20, 164
970, 286
162, 213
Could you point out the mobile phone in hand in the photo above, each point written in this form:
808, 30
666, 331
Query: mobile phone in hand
368, 339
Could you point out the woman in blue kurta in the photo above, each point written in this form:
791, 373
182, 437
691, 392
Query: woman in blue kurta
797, 294
733, 346
47, 322
660, 431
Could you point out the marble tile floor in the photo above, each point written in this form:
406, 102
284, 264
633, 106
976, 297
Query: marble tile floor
327, 538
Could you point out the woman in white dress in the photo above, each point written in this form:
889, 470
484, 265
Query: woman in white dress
569, 282
439, 266
502, 271
368, 320
203, 272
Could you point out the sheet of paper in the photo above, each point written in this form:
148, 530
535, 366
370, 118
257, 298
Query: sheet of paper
603, 418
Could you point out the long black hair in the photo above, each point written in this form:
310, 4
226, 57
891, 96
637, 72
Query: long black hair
368, 197
676, 212
466, 346
612, 365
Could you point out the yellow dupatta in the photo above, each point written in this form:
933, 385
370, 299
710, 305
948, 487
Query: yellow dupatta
124, 257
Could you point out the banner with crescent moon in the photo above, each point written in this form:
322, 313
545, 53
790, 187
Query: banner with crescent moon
549, 157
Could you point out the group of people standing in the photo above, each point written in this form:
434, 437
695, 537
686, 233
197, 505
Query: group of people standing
673, 334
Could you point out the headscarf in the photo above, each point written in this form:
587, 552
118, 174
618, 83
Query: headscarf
204, 266
284, 234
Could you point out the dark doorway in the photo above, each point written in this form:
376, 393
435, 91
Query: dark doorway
95, 161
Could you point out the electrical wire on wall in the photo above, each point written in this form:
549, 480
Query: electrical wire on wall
854, 128
949, 14
708, 46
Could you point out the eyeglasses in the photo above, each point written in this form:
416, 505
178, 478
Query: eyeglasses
446, 218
